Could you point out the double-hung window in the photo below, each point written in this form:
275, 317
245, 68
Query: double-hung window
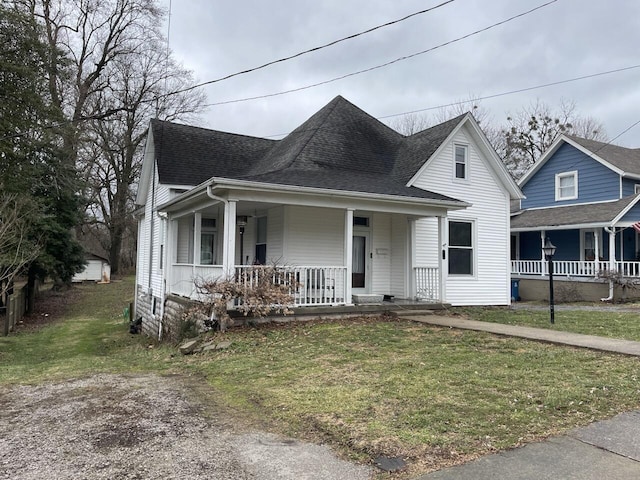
461, 256
461, 164
567, 186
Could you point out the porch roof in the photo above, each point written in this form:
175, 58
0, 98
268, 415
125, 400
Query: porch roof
601, 214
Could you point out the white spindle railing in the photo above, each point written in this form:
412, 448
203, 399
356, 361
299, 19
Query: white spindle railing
310, 285
573, 268
427, 283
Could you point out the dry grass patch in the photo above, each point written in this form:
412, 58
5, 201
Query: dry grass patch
432, 395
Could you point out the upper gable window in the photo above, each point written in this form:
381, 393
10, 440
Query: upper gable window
567, 186
461, 154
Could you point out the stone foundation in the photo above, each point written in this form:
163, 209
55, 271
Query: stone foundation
571, 290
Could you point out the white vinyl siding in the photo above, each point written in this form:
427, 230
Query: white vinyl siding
275, 235
399, 261
381, 249
314, 236
490, 214
427, 242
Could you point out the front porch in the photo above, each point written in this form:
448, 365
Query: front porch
315, 286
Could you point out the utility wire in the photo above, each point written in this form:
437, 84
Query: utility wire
406, 57
496, 95
314, 49
520, 90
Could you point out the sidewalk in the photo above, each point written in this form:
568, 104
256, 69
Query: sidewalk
604, 450
626, 347
609, 449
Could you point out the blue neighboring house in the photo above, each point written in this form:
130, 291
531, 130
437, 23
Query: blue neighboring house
584, 196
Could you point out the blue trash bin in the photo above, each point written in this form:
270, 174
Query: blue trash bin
515, 290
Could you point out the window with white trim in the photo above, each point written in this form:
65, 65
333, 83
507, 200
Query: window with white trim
208, 245
636, 188
567, 186
461, 257
460, 157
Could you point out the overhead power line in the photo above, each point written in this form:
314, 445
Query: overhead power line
406, 57
519, 90
314, 49
496, 95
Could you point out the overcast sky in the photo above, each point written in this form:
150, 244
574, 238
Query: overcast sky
567, 39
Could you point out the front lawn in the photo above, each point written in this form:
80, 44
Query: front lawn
367, 387
613, 323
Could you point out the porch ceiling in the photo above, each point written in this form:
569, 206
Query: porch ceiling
594, 214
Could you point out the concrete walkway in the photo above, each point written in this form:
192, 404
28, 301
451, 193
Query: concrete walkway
604, 450
608, 449
626, 347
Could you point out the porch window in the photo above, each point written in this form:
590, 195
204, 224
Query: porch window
567, 186
460, 161
208, 241
460, 248
261, 240
589, 246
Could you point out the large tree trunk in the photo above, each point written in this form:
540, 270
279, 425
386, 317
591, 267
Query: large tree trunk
32, 284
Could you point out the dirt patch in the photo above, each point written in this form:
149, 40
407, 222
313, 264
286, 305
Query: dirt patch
119, 427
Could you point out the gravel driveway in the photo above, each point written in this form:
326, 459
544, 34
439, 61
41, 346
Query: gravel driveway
120, 427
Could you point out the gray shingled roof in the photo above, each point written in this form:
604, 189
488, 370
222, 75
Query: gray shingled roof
595, 213
340, 147
626, 159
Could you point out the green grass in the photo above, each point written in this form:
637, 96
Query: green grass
92, 338
614, 324
367, 387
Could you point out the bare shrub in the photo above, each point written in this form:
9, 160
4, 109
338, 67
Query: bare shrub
255, 292
567, 292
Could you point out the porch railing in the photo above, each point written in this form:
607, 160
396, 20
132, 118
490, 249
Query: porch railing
573, 268
427, 283
184, 277
311, 285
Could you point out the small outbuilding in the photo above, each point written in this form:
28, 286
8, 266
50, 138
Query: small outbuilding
97, 269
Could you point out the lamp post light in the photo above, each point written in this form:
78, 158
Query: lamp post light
549, 250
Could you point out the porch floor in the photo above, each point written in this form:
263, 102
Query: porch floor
397, 306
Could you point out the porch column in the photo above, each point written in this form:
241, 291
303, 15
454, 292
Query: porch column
596, 261
543, 235
348, 254
443, 264
412, 291
229, 238
612, 249
197, 230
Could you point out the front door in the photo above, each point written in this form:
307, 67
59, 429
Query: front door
359, 267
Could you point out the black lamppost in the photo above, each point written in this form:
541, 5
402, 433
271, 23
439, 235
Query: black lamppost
549, 250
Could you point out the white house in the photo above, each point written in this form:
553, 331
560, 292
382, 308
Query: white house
344, 202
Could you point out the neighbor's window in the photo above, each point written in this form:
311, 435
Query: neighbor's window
567, 186
460, 159
636, 188
460, 248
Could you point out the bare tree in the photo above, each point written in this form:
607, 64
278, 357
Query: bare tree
112, 158
17, 247
415, 122
532, 129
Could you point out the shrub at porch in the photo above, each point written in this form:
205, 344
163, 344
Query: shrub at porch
255, 291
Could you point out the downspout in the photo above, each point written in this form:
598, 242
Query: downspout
225, 201
163, 241
612, 259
